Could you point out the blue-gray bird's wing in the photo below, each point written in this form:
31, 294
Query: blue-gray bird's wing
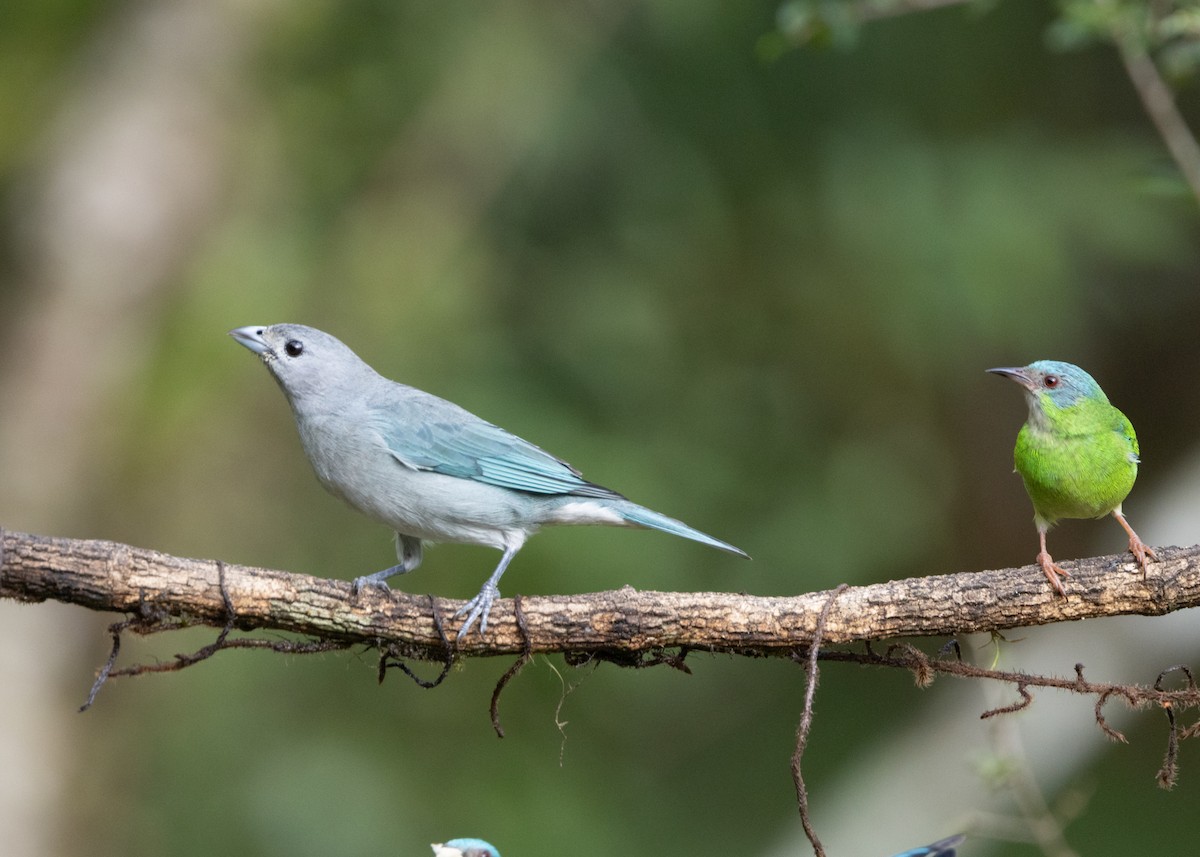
424, 432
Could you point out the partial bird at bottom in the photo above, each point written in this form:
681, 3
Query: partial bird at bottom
468, 848
941, 848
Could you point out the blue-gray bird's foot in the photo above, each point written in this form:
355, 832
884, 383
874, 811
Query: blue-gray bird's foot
1053, 572
478, 608
378, 579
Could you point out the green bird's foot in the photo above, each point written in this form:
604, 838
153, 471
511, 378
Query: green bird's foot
1140, 550
1053, 572
1050, 568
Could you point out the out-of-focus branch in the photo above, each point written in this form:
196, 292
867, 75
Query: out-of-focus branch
873, 10
108, 576
1152, 89
1159, 102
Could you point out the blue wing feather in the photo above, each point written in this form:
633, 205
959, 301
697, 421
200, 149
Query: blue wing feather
427, 433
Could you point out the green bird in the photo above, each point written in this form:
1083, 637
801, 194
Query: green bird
1077, 454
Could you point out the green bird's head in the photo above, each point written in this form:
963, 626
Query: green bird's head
1051, 385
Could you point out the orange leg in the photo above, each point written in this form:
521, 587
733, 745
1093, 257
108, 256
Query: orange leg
1137, 547
1050, 568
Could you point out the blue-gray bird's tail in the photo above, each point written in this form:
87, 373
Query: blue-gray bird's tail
642, 517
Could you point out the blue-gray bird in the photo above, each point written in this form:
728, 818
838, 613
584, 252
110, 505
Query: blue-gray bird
941, 848
427, 468
464, 848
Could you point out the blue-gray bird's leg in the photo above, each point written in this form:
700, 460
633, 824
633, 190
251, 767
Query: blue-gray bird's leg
408, 551
481, 605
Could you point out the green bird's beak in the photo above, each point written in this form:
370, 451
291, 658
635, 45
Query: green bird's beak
1019, 374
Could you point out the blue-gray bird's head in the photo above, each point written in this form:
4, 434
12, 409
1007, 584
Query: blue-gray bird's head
306, 362
464, 848
1052, 382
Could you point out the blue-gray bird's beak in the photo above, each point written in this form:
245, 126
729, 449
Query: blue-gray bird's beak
251, 337
1019, 374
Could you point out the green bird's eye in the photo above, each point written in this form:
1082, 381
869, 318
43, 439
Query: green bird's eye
1050, 381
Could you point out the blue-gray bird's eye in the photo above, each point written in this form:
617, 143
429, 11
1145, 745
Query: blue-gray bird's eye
1050, 381
294, 348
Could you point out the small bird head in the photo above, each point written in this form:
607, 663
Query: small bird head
464, 848
1053, 383
304, 360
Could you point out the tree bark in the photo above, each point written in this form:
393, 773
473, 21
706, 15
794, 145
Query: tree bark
109, 576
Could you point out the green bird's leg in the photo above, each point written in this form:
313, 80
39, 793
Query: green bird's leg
1050, 568
1137, 547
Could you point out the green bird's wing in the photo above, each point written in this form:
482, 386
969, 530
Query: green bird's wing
1124, 427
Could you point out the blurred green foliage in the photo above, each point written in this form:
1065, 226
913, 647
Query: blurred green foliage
758, 296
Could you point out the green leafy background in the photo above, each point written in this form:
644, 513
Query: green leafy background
750, 284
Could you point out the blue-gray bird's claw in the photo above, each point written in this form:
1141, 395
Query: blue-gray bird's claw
478, 608
378, 579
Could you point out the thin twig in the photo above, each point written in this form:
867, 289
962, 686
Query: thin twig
511, 672
114, 630
802, 731
1168, 774
1137, 696
212, 648
1026, 701
390, 657
1101, 698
